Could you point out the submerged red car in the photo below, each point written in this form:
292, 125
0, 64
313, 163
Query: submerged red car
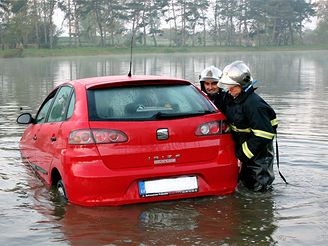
118, 140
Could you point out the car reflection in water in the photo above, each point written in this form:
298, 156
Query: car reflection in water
230, 220
167, 223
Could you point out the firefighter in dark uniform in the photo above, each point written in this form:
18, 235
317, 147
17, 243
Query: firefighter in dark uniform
209, 79
253, 123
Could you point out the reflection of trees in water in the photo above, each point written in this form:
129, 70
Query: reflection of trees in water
31, 79
27, 81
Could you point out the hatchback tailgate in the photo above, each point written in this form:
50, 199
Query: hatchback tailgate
145, 148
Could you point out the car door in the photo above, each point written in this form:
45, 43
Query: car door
47, 135
31, 139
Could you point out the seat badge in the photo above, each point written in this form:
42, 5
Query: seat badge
162, 134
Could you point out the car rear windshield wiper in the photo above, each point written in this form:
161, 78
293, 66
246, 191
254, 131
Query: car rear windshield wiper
161, 115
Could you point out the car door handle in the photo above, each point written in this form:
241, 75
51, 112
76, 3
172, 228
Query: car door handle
53, 139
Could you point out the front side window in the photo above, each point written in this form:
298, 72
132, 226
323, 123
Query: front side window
43, 111
153, 102
58, 110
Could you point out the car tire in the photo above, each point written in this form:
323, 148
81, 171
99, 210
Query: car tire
61, 189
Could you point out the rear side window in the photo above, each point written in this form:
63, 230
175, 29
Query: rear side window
146, 103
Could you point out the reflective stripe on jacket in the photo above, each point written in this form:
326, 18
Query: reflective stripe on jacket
253, 124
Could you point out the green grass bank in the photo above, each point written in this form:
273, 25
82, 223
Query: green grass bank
92, 51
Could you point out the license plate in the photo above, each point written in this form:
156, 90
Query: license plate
168, 186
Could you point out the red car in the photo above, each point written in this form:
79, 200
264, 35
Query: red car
119, 140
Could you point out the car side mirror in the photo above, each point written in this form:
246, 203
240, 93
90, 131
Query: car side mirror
25, 118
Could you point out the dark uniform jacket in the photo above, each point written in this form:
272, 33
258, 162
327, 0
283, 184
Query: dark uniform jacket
253, 123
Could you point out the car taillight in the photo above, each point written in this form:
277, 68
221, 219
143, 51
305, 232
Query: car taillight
98, 136
80, 137
212, 128
109, 136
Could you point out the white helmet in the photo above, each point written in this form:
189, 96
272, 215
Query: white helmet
236, 73
210, 73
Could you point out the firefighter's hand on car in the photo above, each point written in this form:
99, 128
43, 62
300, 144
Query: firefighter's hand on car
239, 165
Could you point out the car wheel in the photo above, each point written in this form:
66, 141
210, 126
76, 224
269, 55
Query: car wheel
61, 189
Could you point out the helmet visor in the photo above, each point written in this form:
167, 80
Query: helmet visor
226, 80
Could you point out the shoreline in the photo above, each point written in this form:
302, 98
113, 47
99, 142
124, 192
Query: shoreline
95, 51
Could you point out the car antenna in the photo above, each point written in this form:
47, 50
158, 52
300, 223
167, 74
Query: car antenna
129, 74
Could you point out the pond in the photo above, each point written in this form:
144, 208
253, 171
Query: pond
293, 83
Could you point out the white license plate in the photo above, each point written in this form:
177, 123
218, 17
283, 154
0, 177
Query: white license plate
168, 186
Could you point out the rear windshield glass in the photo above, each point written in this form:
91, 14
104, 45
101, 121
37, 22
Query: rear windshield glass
151, 102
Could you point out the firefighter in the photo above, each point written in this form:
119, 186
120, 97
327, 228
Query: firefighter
209, 79
253, 123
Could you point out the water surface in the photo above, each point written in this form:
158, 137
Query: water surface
294, 83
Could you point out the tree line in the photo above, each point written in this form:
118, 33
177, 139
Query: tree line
177, 23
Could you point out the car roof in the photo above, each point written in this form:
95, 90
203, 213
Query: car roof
122, 80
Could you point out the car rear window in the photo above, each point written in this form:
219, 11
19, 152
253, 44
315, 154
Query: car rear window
151, 102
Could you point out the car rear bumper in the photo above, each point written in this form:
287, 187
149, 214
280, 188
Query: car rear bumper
103, 187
